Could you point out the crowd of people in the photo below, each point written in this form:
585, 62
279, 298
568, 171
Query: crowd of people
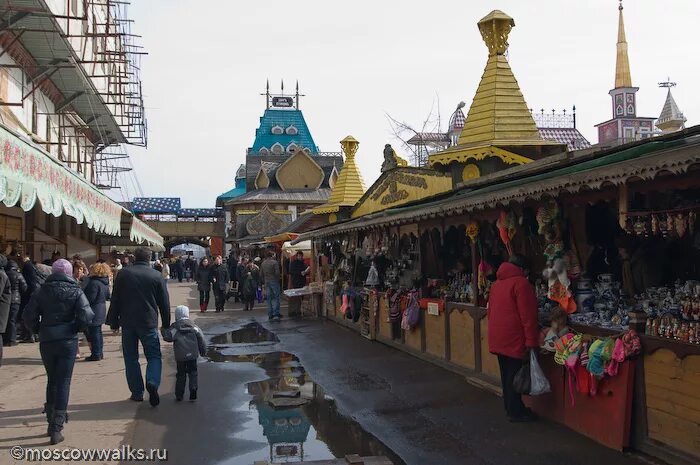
59, 301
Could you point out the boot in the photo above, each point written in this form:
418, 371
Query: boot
201, 308
48, 410
59, 417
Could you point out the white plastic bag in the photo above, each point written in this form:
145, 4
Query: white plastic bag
539, 384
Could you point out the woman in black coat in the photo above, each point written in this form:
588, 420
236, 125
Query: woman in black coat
203, 279
57, 311
97, 293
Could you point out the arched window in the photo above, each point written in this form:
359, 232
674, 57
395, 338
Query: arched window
277, 130
291, 148
277, 148
292, 130
263, 151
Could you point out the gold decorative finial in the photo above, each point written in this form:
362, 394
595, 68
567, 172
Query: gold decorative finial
494, 28
623, 75
349, 146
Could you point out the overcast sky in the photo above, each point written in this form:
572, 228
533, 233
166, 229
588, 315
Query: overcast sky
358, 61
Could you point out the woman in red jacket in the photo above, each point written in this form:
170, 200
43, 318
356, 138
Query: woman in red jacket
512, 314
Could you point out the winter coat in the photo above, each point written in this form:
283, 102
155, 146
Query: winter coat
203, 278
166, 271
33, 278
512, 313
97, 293
58, 310
18, 285
219, 277
232, 265
187, 339
138, 294
270, 271
249, 284
5, 295
296, 268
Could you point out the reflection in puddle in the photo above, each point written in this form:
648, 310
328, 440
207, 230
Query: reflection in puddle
296, 421
252, 333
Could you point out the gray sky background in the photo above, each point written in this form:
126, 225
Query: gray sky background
357, 61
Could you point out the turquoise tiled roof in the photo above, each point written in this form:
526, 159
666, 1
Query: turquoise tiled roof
240, 189
284, 119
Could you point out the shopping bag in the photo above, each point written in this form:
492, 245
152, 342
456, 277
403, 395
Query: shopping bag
539, 384
521, 381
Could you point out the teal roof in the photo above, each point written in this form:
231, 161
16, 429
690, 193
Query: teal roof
240, 189
284, 119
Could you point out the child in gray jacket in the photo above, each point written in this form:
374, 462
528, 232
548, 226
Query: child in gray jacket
188, 342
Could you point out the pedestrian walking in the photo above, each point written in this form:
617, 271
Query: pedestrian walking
97, 293
270, 278
513, 329
18, 287
188, 345
139, 294
166, 269
158, 266
34, 280
179, 269
249, 286
58, 311
203, 279
220, 281
297, 273
5, 300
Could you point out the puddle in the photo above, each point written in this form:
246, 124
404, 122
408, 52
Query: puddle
252, 333
292, 418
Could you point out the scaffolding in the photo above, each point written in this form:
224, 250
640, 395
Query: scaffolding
83, 55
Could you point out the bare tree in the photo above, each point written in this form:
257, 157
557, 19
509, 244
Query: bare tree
403, 132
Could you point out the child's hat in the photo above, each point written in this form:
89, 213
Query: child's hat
182, 312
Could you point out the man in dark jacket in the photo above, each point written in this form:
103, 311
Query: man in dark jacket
5, 299
18, 286
57, 311
220, 282
297, 274
34, 280
139, 293
513, 329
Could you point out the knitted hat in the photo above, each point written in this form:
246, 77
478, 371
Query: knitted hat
62, 266
182, 312
596, 365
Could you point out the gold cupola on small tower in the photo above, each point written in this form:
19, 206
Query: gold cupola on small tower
499, 130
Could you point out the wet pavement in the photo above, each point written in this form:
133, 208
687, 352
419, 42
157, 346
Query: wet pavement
309, 390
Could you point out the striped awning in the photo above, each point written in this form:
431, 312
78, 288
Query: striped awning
142, 234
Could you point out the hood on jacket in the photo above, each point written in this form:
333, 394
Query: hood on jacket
182, 312
11, 265
3, 261
102, 279
508, 270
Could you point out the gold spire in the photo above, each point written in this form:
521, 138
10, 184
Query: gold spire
349, 186
623, 75
498, 111
499, 123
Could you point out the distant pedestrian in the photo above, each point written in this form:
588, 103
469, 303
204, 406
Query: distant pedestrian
513, 329
158, 267
203, 279
220, 281
297, 274
270, 277
249, 282
58, 311
18, 286
34, 280
179, 269
188, 344
139, 293
166, 269
5, 301
97, 293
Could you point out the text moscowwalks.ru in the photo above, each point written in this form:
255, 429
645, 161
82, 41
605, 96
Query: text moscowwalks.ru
120, 454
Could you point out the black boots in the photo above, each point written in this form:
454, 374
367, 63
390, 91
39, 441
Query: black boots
56, 426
